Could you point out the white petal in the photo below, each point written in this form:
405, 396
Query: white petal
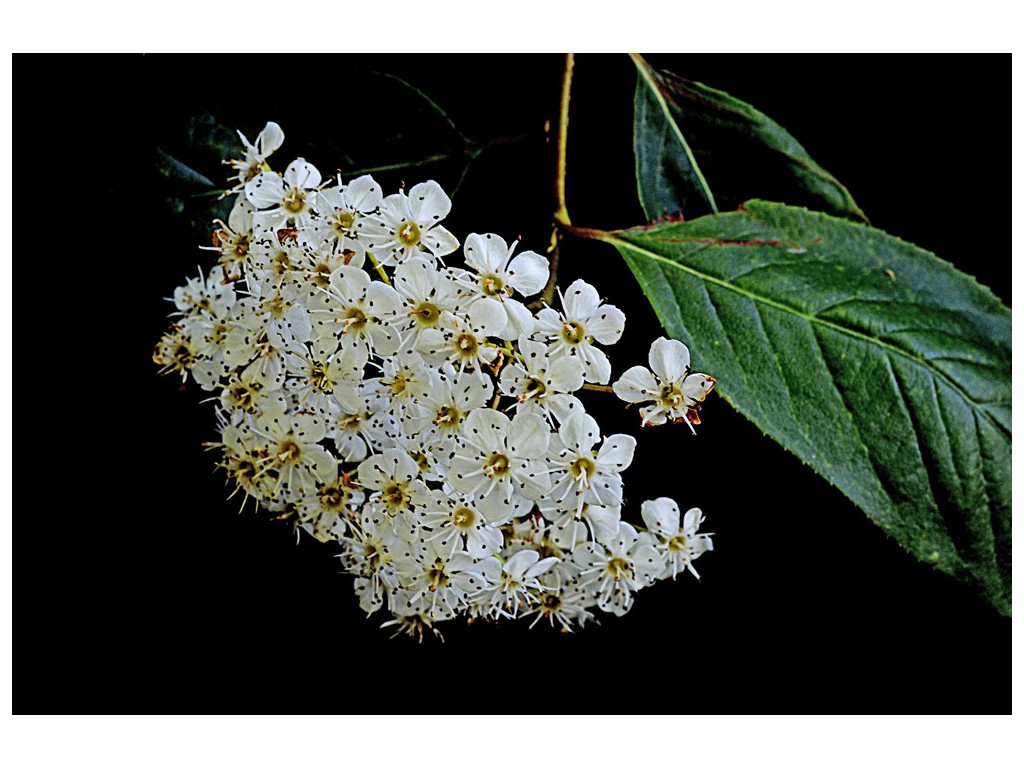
428, 203
580, 300
385, 339
579, 432
324, 463
381, 299
565, 373
487, 428
302, 174
692, 520
606, 324
265, 190
364, 194
697, 385
636, 385
487, 317
270, 139
517, 565
661, 515
648, 562
532, 478
520, 320
440, 242
485, 253
605, 521
617, 452
240, 218
299, 323
485, 541
541, 567
350, 282
528, 436
528, 273
498, 506
415, 279
605, 490
371, 475
597, 367
459, 474
669, 359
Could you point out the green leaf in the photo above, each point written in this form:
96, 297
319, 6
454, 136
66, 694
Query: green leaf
879, 365
690, 140
174, 169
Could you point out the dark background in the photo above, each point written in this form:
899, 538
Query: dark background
140, 587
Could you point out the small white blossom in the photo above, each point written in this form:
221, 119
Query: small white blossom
584, 319
680, 544
410, 225
254, 160
676, 391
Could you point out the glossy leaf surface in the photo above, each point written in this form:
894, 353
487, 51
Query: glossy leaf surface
879, 365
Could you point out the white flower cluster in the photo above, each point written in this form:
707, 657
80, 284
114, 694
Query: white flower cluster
418, 414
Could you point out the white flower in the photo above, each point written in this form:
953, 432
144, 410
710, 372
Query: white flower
370, 552
616, 570
250, 391
203, 296
583, 320
253, 162
562, 599
410, 225
675, 391
283, 201
352, 426
500, 462
450, 400
232, 239
586, 476
457, 521
324, 511
341, 210
441, 582
317, 382
464, 341
680, 545
429, 295
359, 317
570, 527
398, 494
406, 381
293, 454
519, 585
542, 383
499, 276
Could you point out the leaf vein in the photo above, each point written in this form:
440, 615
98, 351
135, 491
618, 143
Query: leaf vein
850, 411
704, 277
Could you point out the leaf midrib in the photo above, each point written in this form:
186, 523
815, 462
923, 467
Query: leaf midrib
652, 87
614, 239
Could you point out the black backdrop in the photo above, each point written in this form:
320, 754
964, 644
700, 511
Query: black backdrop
140, 587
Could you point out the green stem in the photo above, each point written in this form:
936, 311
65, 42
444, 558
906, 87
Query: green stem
379, 268
561, 215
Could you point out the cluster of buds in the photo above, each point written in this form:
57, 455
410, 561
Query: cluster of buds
420, 416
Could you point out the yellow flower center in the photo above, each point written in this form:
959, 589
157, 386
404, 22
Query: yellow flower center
409, 234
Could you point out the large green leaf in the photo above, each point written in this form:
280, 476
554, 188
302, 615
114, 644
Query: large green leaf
699, 150
875, 362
